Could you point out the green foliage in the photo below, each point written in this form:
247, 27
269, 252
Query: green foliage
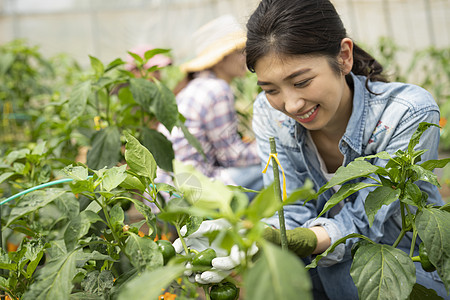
76, 242
390, 270
86, 247
31, 89
394, 277
282, 274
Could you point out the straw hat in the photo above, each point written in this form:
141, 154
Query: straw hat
157, 60
214, 41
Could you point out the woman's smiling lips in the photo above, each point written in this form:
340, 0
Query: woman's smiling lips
308, 116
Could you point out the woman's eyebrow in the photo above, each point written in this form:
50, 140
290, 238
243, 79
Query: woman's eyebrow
295, 74
262, 83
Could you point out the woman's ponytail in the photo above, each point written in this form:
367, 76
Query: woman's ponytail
365, 64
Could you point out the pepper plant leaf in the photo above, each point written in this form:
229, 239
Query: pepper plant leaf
78, 99
199, 190
277, 274
77, 173
54, 280
144, 253
382, 272
144, 92
160, 147
78, 227
132, 183
383, 195
5, 176
35, 252
193, 141
345, 191
98, 283
355, 169
413, 195
97, 66
146, 211
114, 177
105, 151
330, 249
435, 163
264, 205
138, 158
164, 106
152, 52
433, 227
305, 192
420, 292
116, 215
418, 134
424, 175
115, 63
381, 155
160, 278
35, 200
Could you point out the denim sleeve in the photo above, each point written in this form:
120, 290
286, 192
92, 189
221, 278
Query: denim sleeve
352, 217
267, 122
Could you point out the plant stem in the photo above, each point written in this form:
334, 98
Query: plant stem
400, 237
108, 220
205, 289
177, 227
278, 197
154, 195
413, 224
415, 258
413, 243
402, 211
108, 100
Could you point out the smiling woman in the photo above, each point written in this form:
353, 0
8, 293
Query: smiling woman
326, 102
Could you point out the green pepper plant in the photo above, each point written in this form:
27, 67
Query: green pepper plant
77, 242
202, 199
383, 271
112, 99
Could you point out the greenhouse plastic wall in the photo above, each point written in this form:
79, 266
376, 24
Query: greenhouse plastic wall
108, 28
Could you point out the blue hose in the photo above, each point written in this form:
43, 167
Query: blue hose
44, 185
36, 188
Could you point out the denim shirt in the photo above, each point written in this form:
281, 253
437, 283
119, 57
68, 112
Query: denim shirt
380, 121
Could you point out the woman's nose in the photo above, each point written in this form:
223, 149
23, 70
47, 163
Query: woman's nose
293, 104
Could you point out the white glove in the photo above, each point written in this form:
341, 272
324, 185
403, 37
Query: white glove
223, 264
199, 242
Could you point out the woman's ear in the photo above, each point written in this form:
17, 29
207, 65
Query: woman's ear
346, 55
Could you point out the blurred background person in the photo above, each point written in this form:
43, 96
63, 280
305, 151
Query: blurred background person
208, 104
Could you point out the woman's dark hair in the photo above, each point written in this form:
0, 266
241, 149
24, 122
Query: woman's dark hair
299, 27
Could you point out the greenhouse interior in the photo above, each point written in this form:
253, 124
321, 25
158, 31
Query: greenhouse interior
225, 149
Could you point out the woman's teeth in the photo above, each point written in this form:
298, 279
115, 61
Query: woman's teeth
308, 114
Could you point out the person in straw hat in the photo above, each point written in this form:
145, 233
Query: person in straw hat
207, 103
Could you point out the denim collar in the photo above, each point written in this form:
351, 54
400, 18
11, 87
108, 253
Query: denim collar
354, 132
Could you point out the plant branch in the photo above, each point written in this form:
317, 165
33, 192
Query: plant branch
177, 227
413, 224
399, 238
114, 233
205, 289
276, 177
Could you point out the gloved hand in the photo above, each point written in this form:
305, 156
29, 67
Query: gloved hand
301, 241
223, 264
198, 241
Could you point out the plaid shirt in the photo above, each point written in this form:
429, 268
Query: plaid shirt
207, 103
